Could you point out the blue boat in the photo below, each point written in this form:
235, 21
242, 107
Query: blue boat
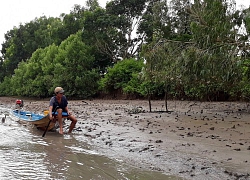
27, 116
38, 120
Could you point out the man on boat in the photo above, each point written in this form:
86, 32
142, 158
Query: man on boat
59, 104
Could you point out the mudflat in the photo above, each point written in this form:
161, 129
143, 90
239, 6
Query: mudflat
194, 140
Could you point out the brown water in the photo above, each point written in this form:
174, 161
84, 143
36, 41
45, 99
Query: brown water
25, 154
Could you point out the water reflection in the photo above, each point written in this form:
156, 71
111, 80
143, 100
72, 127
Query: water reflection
18, 160
24, 154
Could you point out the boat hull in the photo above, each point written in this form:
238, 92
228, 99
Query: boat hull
39, 121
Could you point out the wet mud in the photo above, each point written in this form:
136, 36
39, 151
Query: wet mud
195, 140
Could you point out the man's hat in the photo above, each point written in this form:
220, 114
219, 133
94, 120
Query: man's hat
59, 90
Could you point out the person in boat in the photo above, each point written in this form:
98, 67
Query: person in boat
59, 104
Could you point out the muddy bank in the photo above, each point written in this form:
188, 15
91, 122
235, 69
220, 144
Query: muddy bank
195, 141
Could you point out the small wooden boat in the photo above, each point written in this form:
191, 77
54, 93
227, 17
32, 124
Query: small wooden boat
38, 120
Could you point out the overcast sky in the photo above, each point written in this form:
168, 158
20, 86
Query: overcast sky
14, 12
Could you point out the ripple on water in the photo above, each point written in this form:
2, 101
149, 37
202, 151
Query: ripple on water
18, 160
82, 150
17, 164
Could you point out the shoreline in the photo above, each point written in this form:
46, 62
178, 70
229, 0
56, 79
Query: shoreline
197, 140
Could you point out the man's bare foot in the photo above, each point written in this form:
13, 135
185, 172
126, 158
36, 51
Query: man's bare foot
60, 131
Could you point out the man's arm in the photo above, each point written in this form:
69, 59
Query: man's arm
51, 102
50, 112
67, 110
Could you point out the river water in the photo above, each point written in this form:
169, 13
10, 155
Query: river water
25, 154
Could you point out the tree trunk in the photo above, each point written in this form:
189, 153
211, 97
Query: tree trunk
166, 100
149, 102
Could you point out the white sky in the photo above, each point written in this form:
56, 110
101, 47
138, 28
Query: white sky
14, 12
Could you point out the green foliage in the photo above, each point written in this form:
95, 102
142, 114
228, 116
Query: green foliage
4, 87
111, 31
92, 5
72, 22
75, 65
21, 42
133, 86
123, 75
155, 22
247, 20
69, 65
98, 34
244, 86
